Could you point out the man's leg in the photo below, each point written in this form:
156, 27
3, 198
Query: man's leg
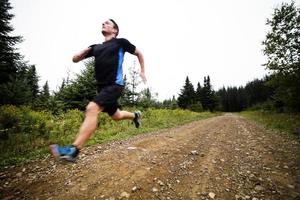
89, 124
69, 153
121, 115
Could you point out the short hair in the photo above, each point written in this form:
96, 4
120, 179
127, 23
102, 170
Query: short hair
115, 26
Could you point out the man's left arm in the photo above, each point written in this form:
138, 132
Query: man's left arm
140, 56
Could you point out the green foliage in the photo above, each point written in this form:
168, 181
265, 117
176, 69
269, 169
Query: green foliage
236, 99
25, 134
187, 95
8, 55
22, 131
203, 98
283, 122
170, 103
81, 90
18, 81
282, 47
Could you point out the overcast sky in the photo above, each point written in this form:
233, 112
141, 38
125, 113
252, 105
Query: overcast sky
179, 38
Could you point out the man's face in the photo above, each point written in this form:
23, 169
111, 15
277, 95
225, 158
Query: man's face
108, 28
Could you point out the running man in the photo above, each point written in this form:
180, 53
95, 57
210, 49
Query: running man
109, 76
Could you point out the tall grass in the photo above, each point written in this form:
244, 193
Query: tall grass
25, 134
288, 123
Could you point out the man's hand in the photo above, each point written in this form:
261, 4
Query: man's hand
143, 76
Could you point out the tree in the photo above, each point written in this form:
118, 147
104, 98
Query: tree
79, 91
170, 103
187, 96
16, 83
147, 98
133, 83
125, 99
208, 96
257, 91
282, 48
32, 80
8, 56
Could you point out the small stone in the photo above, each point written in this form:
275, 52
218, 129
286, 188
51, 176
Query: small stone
160, 183
134, 189
154, 189
132, 148
212, 195
194, 152
19, 174
125, 195
291, 186
259, 188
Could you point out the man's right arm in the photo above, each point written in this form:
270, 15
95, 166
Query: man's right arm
81, 55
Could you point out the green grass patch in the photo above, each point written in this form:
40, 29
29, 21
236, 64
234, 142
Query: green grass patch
288, 123
25, 134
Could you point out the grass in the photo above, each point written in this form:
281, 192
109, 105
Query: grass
288, 123
26, 134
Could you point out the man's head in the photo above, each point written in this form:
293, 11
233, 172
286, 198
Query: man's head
110, 27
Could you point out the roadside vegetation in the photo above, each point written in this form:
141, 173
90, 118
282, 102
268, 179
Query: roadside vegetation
25, 134
288, 123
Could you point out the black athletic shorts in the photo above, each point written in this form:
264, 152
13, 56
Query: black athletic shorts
107, 98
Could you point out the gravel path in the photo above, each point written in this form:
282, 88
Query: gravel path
225, 157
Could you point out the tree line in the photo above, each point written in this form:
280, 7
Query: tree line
280, 90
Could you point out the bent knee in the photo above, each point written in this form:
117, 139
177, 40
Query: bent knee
92, 108
117, 116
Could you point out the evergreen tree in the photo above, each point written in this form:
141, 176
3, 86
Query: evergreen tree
8, 56
187, 96
125, 99
147, 99
282, 47
170, 103
79, 91
257, 91
15, 82
208, 96
32, 80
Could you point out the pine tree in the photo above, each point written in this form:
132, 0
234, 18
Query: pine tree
208, 97
15, 83
187, 96
33, 80
8, 56
79, 91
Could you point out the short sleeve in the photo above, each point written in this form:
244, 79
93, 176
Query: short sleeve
128, 47
91, 52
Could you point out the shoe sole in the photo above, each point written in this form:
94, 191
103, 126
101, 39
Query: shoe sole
139, 119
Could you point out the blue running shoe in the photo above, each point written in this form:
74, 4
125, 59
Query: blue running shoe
66, 153
137, 119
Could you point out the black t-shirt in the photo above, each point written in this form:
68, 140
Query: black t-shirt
109, 59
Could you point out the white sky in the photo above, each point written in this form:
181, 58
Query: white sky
179, 38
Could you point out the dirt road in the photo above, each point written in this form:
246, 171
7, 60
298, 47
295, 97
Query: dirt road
226, 157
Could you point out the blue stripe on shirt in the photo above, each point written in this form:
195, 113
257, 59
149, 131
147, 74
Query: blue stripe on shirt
119, 77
